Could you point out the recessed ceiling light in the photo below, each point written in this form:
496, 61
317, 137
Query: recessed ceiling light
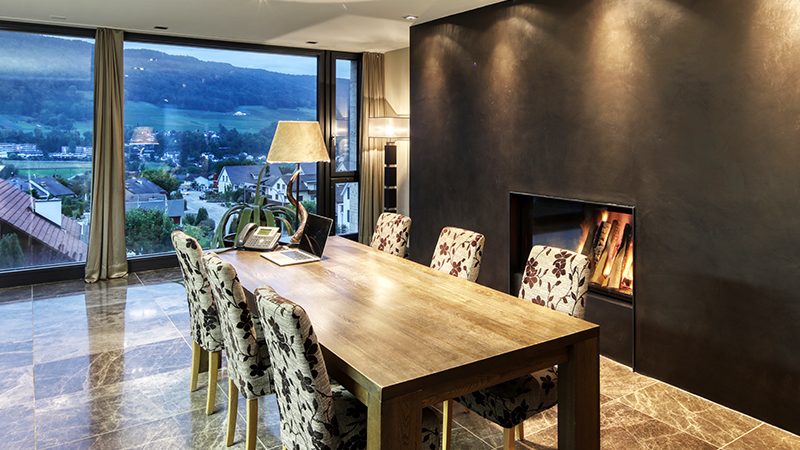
160, 27
410, 17
312, 42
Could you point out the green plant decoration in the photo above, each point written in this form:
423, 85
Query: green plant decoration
259, 213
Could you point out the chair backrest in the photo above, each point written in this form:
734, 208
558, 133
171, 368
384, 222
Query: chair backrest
458, 252
245, 362
557, 279
391, 234
302, 385
203, 315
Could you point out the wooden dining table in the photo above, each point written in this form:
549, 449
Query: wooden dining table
401, 336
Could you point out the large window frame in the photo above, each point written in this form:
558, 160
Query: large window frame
326, 177
335, 177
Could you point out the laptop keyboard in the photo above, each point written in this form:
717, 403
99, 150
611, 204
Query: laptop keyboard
295, 255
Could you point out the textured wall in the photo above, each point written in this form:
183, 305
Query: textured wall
689, 110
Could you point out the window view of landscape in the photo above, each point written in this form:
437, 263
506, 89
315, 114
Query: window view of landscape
198, 125
346, 143
46, 108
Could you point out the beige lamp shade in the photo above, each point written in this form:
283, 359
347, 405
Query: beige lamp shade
389, 127
298, 142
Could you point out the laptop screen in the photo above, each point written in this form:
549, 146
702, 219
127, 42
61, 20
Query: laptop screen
315, 235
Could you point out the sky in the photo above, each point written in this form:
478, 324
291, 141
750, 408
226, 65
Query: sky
295, 65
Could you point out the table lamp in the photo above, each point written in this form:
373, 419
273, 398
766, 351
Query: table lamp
391, 128
297, 142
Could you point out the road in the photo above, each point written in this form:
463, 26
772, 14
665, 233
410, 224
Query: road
193, 203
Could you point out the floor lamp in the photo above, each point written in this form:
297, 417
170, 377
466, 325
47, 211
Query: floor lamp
391, 128
297, 142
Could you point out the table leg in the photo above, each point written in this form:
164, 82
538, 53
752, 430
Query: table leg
579, 398
394, 423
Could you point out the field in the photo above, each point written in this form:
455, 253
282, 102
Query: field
65, 169
256, 118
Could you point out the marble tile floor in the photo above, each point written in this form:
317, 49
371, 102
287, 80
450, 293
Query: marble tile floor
105, 366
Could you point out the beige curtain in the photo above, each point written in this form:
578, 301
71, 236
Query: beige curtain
373, 104
107, 258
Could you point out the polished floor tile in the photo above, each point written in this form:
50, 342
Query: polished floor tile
160, 276
15, 294
100, 369
65, 328
15, 354
622, 427
17, 429
96, 411
766, 437
691, 414
16, 387
617, 380
106, 366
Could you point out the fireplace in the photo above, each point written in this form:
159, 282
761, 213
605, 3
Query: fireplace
603, 232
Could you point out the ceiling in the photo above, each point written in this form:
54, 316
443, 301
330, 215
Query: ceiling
346, 25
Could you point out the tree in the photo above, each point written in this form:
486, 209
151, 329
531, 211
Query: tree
163, 179
8, 171
202, 214
11, 255
147, 231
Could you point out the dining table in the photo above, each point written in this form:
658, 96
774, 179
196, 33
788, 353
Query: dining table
401, 336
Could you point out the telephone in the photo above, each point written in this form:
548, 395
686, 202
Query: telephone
253, 237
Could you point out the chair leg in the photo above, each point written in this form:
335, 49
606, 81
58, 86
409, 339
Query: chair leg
196, 353
252, 424
508, 439
447, 424
520, 431
233, 406
213, 371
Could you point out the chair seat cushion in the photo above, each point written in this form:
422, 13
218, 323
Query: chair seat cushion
351, 416
509, 404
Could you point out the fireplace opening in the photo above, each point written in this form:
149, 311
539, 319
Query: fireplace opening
604, 232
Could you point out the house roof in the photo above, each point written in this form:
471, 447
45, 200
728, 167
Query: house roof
15, 210
241, 175
53, 186
143, 186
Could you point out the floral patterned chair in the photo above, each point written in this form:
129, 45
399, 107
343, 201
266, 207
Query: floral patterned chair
314, 413
249, 368
391, 234
203, 317
458, 252
556, 279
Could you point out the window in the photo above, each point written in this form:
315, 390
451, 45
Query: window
46, 108
198, 125
345, 171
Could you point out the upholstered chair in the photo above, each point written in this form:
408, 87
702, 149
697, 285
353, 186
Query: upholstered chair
314, 412
458, 252
557, 279
249, 368
203, 318
391, 234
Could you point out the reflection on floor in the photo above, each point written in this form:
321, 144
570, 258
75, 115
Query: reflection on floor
105, 366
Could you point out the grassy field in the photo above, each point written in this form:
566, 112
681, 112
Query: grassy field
256, 118
43, 168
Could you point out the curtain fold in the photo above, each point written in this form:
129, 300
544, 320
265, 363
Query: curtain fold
107, 255
373, 104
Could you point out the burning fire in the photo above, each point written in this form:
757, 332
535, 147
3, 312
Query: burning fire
604, 217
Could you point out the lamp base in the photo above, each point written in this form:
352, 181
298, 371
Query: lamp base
302, 214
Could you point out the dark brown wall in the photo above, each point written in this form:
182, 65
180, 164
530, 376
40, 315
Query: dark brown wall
689, 110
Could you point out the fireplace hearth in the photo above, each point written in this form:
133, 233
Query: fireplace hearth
604, 232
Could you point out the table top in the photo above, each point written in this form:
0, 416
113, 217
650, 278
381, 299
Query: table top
397, 322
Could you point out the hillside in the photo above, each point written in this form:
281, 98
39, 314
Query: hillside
48, 81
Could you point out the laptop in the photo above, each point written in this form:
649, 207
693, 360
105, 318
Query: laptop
312, 244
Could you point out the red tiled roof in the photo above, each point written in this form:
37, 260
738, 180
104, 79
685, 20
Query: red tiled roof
15, 210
